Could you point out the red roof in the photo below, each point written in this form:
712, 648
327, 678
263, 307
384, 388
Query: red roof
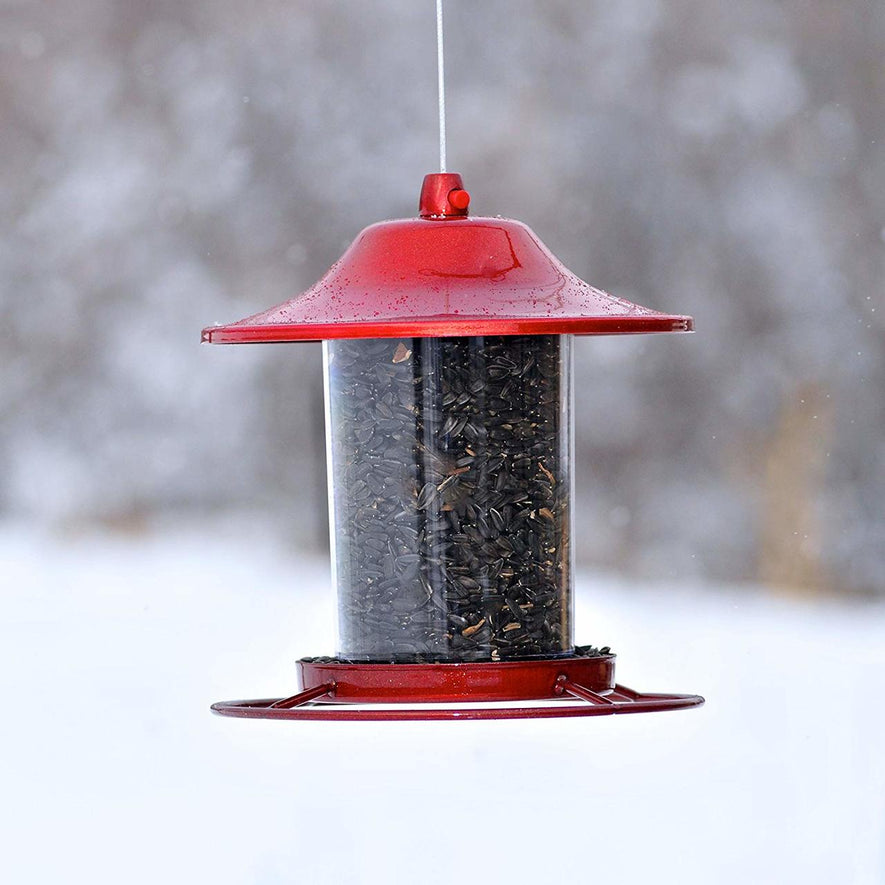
447, 275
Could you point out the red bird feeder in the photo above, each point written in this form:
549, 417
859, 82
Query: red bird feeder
447, 349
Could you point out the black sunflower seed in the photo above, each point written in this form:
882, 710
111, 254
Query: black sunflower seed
425, 496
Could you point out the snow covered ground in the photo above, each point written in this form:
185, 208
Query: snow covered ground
114, 771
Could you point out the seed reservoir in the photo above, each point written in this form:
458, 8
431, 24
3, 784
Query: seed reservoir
450, 489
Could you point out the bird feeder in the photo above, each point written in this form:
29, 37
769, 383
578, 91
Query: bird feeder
447, 347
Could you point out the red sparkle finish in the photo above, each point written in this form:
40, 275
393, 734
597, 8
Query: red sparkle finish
446, 275
332, 691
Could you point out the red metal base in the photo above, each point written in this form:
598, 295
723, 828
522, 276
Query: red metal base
331, 690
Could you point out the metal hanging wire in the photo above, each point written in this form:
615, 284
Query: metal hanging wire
441, 74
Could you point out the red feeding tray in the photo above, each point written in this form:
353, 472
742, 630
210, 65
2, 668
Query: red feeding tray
332, 690
449, 455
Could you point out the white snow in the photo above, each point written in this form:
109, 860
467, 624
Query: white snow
113, 770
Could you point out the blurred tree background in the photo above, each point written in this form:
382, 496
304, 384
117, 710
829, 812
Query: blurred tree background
167, 164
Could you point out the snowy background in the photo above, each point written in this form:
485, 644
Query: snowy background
114, 770
169, 164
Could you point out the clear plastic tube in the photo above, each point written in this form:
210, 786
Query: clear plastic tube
450, 489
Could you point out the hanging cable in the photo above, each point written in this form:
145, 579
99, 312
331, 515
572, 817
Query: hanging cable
441, 70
